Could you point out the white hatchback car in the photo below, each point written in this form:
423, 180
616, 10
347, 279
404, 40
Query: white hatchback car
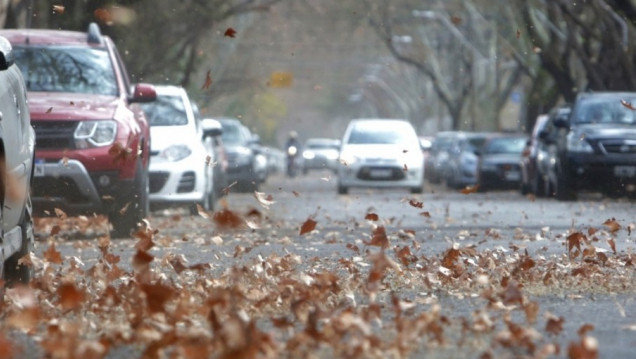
181, 167
380, 153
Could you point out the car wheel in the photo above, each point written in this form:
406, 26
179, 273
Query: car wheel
539, 186
15, 273
342, 189
125, 223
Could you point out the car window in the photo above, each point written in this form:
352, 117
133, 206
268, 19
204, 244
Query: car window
233, 135
166, 111
67, 69
505, 145
599, 110
381, 134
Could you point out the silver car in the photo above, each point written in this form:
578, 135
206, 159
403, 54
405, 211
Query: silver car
320, 153
380, 153
16, 166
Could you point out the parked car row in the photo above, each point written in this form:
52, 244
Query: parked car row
488, 159
107, 146
588, 146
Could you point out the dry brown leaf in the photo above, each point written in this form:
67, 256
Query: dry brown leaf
554, 325
226, 219
55, 230
52, 255
229, 32
378, 238
70, 297
208, 81
141, 260
628, 105
415, 203
308, 226
612, 225
156, 296
371, 217
469, 189
612, 245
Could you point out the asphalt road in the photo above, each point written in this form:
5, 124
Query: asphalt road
495, 220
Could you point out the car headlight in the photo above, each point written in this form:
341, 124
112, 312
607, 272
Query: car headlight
309, 155
176, 153
577, 143
332, 155
95, 133
348, 159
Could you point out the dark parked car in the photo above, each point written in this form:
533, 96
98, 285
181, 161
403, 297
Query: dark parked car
499, 162
93, 147
243, 157
596, 146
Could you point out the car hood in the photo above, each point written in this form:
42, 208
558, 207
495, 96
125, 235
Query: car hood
594, 131
166, 136
71, 106
502, 158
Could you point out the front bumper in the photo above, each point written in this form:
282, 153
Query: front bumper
379, 176
71, 188
500, 177
177, 182
594, 171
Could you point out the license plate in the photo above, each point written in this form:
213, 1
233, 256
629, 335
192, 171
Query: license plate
38, 170
512, 176
625, 171
380, 173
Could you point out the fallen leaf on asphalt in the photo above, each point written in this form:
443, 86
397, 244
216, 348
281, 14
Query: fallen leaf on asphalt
379, 238
612, 225
371, 217
415, 203
628, 105
70, 296
229, 32
265, 200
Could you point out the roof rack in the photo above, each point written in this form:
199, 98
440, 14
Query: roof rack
94, 34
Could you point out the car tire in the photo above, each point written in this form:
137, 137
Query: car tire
564, 191
539, 186
343, 189
125, 223
15, 273
417, 190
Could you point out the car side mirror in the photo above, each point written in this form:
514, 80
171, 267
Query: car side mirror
211, 128
143, 93
6, 54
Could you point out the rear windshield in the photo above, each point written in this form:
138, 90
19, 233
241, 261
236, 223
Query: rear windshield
67, 69
166, 111
505, 145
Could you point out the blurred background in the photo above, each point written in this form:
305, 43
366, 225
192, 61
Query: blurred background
312, 65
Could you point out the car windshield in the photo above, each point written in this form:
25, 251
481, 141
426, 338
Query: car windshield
606, 110
382, 134
321, 145
232, 135
505, 145
166, 111
475, 143
66, 69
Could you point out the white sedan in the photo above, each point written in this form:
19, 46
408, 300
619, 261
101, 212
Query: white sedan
181, 167
380, 153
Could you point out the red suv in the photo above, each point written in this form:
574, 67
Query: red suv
92, 139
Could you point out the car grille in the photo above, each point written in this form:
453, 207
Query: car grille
156, 181
384, 173
232, 158
186, 183
619, 147
54, 134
